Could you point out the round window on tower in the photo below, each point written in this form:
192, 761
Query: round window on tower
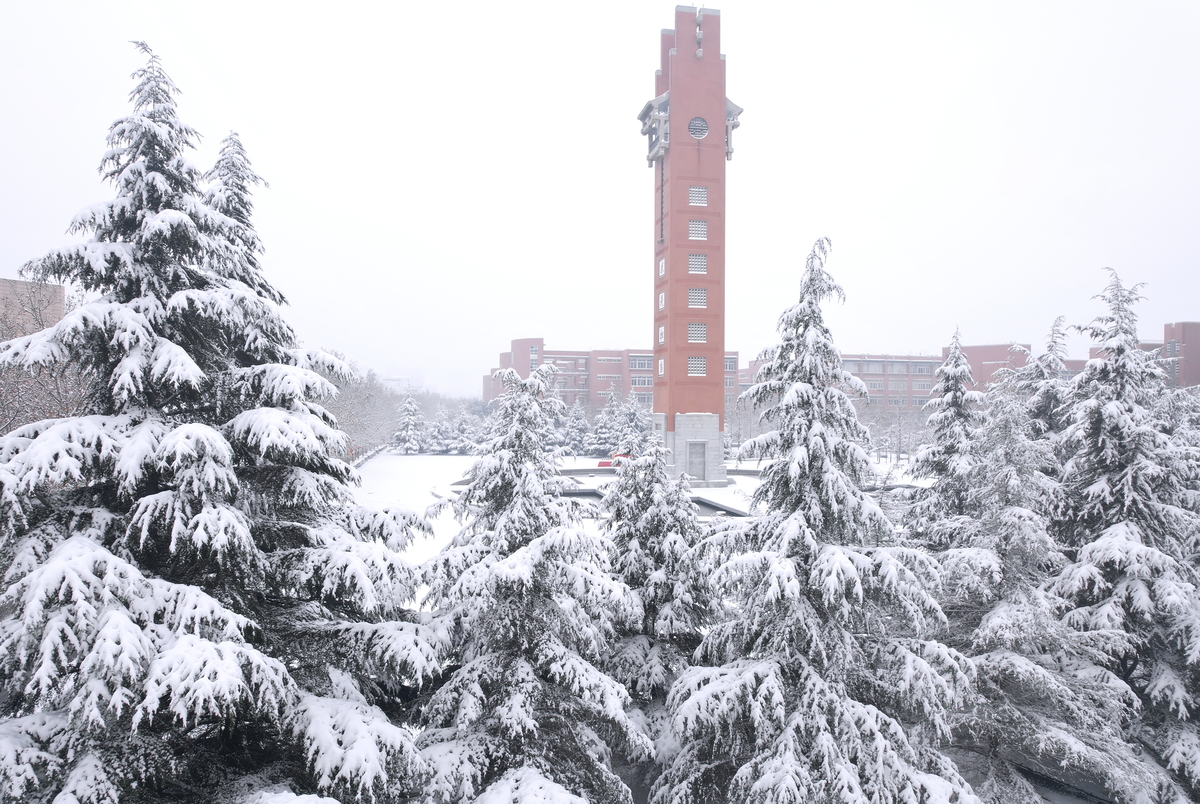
698, 127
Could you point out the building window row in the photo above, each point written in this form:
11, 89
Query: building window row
892, 367
640, 362
731, 364
641, 380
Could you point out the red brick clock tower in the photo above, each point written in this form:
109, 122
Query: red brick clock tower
690, 125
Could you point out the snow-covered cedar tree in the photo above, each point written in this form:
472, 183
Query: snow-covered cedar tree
955, 415
1129, 520
576, 429
409, 437
637, 424
825, 687
530, 608
654, 525
1042, 381
1044, 705
438, 433
189, 594
607, 427
466, 432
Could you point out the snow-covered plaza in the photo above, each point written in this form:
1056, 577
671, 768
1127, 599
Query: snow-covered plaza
417, 481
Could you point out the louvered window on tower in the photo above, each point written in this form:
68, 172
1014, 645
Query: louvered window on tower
697, 366
698, 196
697, 230
697, 263
697, 297
697, 333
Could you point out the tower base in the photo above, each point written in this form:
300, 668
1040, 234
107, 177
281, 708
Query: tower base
696, 447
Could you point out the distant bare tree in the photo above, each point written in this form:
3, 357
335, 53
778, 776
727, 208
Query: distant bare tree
366, 410
896, 432
44, 392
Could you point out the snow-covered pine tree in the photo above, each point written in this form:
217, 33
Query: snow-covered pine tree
816, 678
606, 431
955, 415
466, 432
1043, 705
1042, 381
654, 525
231, 183
190, 595
409, 437
1129, 519
636, 424
531, 606
576, 429
439, 433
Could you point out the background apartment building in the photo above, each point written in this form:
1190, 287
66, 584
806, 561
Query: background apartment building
897, 383
591, 376
904, 382
1181, 344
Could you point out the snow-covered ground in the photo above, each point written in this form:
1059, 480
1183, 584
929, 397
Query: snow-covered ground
418, 481
893, 472
414, 482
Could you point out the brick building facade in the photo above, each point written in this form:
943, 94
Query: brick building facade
1181, 344
589, 376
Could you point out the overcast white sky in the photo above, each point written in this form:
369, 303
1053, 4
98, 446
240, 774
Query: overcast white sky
448, 176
